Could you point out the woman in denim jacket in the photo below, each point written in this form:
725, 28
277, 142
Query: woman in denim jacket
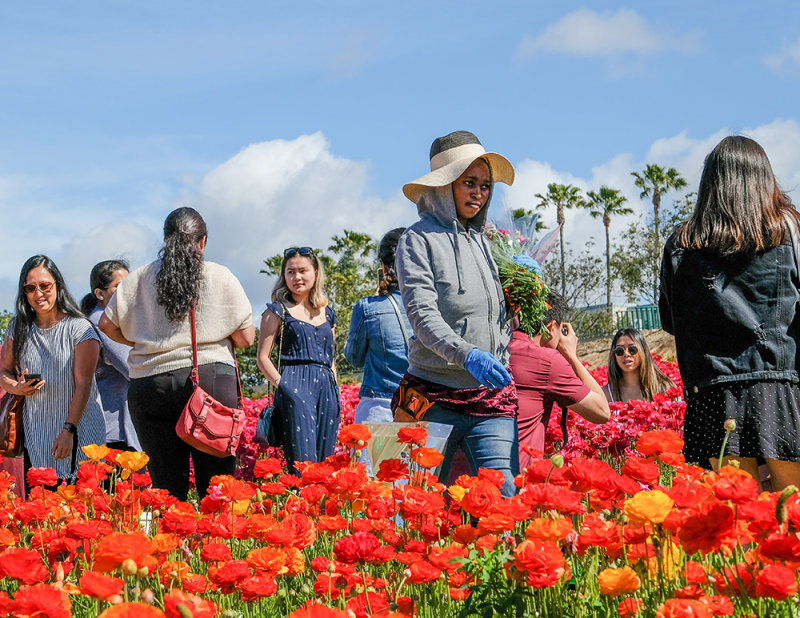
378, 339
729, 294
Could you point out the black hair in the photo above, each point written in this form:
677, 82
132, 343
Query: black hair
740, 208
559, 311
386, 250
100, 278
178, 279
25, 314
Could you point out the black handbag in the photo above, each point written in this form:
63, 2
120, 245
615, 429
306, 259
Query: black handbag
267, 428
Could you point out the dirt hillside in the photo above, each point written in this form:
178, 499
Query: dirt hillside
595, 351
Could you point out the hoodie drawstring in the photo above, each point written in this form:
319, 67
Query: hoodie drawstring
457, 254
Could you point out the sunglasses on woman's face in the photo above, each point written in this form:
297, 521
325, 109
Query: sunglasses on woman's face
293, 251
631, 349
44, 287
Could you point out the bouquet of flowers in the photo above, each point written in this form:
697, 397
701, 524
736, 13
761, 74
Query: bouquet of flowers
515, 253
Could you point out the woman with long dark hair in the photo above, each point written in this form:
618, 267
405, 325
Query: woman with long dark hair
730, 291
307, 403
150, 312
378, 340
50, 359
113, 379
632, 373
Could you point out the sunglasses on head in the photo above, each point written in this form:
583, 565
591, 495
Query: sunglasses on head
631, 349
44, 287
293, 251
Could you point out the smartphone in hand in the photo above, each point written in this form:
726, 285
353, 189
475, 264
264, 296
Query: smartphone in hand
33, 378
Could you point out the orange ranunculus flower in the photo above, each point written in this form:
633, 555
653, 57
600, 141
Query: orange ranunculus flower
267, 560
496, 523
131, 461
659, 442
616, 582
546, 529
103, 587
412, 435
112, 550
95, 452
174, 572
426, 457
648, 507
165, 542
354, 435
132, 610
542, 561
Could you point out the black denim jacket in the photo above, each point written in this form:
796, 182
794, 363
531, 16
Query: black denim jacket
732, 320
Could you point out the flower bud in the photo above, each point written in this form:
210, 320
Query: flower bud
129, 567
780, 505
730, 424
143, 571
557, 459
148, 596
184, 611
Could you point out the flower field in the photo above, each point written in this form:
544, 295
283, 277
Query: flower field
616, 524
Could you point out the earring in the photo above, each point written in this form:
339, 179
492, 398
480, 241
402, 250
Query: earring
100, 297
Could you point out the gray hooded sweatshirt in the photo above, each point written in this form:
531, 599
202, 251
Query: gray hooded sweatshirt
451, 291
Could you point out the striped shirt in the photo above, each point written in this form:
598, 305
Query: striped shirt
51, 353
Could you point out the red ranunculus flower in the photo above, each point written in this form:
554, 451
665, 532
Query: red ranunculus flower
426, 457
412, 435
683, 608
41, 601
356, 548
42, 476
132, 610
112, 550
422, 572
312, 609
354, 435
199, 608
628, 608
776, 582
481, 499
542, 560
658, 442
256, 587
391, 470
101, 587
24, 565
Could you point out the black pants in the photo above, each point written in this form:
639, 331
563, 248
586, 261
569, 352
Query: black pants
156, 403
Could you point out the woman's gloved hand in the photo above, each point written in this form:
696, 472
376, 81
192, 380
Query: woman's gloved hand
486, 369
528, 262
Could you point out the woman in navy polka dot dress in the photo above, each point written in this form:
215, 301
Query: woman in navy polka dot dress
307, 403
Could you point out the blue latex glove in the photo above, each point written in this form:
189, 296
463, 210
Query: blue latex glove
486, 369
529, 263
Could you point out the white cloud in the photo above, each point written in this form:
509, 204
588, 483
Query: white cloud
788, 55
588, 33
282, 193
686, 154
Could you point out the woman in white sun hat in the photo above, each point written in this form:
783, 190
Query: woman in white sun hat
452, 294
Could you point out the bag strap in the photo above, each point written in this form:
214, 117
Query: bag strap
195, 371
399, 317
280, 344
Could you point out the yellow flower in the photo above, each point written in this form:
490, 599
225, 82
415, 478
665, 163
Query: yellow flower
131, 461
614, 582
457, 493
648, 507
95, 452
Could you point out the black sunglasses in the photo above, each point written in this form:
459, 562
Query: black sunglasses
293, 251
632, 350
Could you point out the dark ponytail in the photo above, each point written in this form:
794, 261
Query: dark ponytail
386, 251
100, 278
178, 279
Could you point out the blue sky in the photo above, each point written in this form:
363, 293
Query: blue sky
285, 123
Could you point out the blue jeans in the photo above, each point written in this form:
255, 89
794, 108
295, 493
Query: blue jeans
488, 442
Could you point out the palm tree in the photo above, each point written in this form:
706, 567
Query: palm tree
604, 203
560, 196
656, 181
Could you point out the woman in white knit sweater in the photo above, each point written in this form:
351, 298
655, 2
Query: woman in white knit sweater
150, 312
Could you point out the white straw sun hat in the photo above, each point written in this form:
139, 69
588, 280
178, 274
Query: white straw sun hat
451, 155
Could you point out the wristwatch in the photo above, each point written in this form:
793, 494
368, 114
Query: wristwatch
73, 429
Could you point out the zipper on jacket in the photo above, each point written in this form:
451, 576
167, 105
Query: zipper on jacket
488, 295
